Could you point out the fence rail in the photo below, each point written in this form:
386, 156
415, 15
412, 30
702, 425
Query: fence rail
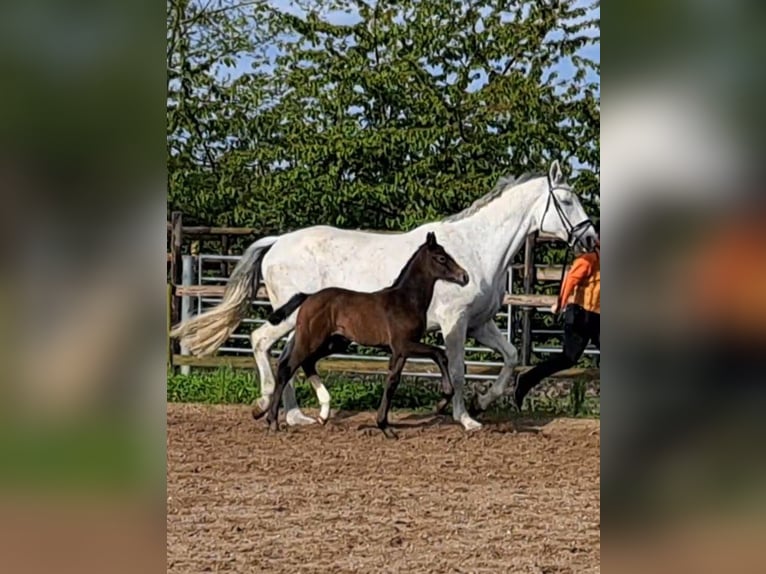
218, 290
192, 285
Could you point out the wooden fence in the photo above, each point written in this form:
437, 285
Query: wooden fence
180, 235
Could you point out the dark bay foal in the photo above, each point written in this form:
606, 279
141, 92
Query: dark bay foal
393, 318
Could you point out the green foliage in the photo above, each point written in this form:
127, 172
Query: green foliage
380, 123
227, 386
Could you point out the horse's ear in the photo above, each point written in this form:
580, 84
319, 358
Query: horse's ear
431, 239
555, 174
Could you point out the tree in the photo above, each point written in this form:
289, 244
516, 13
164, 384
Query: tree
403, 115
208, 101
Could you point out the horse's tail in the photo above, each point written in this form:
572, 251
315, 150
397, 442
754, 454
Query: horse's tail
203, 334
286, 310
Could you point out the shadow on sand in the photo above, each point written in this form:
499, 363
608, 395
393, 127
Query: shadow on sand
493, 422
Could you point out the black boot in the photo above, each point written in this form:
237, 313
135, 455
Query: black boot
523, 386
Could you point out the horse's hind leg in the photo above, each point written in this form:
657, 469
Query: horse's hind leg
263, 339
333, 345
489, 334
261, 405
323, 396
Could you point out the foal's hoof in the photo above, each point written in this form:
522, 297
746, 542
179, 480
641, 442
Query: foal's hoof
518, 400
442, 405
273, 427
258, 409
473, 408
389, 433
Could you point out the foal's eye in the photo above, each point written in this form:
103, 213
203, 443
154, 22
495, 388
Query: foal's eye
441, 259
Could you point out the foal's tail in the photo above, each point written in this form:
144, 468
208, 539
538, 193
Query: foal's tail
286, 310
203, 334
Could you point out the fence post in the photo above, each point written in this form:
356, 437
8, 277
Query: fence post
225, 251
176, 265
169, 303
529, 281
176, 242
187, 278
509, 324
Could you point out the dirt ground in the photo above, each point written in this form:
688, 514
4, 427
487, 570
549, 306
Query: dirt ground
517, 496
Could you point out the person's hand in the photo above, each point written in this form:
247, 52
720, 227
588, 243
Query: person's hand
555, 308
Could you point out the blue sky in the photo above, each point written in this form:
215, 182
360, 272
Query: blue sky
564, 69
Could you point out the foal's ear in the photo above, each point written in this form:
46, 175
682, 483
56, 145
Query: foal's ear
431, 239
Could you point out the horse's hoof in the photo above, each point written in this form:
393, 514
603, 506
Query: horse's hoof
296, 418
469, 424
389, 433
321, 421
273, 427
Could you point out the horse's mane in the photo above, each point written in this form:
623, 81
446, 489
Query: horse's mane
398, 281
503, 184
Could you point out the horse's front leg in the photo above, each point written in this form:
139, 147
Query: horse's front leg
454, 339
395, 366
489, 335
438, 356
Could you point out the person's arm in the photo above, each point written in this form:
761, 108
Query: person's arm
581, 269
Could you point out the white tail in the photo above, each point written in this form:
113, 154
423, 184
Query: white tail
205, 333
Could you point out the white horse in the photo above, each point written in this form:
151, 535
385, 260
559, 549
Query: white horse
484, 238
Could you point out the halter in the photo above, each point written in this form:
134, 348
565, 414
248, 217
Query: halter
574, 232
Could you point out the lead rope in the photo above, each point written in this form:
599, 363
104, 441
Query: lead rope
561, 280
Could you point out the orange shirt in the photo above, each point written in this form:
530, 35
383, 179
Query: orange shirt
583, 283
727, 287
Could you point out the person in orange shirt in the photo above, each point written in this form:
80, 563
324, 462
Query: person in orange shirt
581, 295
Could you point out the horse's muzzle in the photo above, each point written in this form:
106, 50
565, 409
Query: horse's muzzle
463, 279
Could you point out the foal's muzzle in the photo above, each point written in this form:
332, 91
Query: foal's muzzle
463, 279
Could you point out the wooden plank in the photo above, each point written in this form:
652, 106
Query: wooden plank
360, 366
531, 300
205, 230
211, 291
543, 273
522, 300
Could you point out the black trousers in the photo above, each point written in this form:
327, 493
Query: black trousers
580, 327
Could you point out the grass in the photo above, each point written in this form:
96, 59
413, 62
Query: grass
228, 386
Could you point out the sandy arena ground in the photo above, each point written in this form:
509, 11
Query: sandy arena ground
514, 497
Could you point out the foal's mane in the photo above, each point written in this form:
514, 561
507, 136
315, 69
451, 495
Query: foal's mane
407, 266
505, 183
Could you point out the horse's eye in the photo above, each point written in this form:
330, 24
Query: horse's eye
441, 259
